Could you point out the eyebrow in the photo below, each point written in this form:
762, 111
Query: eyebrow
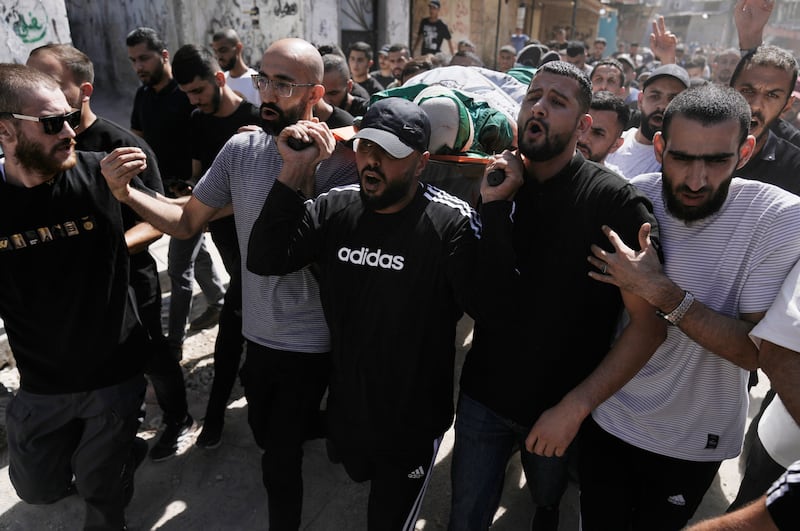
279, 77
705, 156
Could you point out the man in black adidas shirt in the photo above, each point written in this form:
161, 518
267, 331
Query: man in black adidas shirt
394, 259
67, 309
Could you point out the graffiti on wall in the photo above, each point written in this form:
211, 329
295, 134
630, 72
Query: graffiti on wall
26, 24
258, 24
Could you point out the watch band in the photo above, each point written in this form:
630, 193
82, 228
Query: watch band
674, 317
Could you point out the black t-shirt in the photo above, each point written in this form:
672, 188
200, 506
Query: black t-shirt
64, 278
551, 324
339, 118
385, 81
105, 136
777, 163
357, 107
209, 133
392, 288
163, 117
433, 33
786, 131
371, 85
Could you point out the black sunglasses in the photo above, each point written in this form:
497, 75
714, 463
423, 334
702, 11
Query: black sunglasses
52, 124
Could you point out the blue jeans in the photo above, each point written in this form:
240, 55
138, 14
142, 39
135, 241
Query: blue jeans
188, 259
484, 443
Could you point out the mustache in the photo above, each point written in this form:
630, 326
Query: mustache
66, 143
373, 169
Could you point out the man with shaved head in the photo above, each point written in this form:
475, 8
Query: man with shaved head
286, 370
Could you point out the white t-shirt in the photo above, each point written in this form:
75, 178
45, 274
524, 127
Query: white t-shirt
778, 431
687, 402
244, 86
633, 158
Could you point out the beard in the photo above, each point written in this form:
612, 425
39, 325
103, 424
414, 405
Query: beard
649, 131
284, 118
692, 213
226, 67
33, 157
155, 76
216, 101
552, 146
393, 193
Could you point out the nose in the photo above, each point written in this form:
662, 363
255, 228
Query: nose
697, 178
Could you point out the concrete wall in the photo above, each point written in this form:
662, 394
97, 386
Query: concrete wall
99, 29
27, 24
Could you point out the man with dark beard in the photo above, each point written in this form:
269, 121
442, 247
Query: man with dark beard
538, 225
161, 116
766, 78
74, 72
286, 369
228, 49
652, 450
67, 309
395, 257
219, 115
636, 156
609, 116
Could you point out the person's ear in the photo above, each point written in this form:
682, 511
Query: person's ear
658, 147
87, 89
746, 151
219, 78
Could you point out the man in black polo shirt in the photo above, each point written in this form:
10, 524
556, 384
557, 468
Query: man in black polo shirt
532, 379
219, 114
161, 116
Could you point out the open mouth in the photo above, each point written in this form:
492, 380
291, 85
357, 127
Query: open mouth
370, 181
268, 114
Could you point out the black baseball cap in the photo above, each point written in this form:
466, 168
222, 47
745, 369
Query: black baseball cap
397, 125
435, 3
669, 70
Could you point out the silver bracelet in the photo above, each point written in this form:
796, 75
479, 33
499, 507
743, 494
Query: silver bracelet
674, 317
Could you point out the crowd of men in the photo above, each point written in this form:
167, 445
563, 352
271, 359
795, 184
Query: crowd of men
632, 267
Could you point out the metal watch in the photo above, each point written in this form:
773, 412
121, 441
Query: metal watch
675, 316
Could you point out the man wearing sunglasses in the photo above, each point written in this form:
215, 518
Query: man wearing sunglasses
74, 72
67, 309
285, 373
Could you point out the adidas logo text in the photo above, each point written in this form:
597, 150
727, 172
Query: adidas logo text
368, 257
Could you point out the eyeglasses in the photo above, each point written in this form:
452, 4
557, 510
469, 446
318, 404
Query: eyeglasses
282, 88
52, 124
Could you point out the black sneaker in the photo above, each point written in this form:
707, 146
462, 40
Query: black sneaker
211, 436
207, 319
138, 451
174, 434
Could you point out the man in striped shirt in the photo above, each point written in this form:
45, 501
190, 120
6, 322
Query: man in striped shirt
653, 449
286, 370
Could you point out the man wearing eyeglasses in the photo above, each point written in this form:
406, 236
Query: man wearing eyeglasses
67, 309
286, 369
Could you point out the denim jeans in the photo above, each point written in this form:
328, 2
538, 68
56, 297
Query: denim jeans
188, 259
483, 445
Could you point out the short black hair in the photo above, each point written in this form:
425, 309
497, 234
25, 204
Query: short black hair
613, 63
191, 61
575, 48
227, 34
360, 46
562, 68
147, 36
330, 48
768, 55
710, 104
399, 48
605, 101
334, 63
